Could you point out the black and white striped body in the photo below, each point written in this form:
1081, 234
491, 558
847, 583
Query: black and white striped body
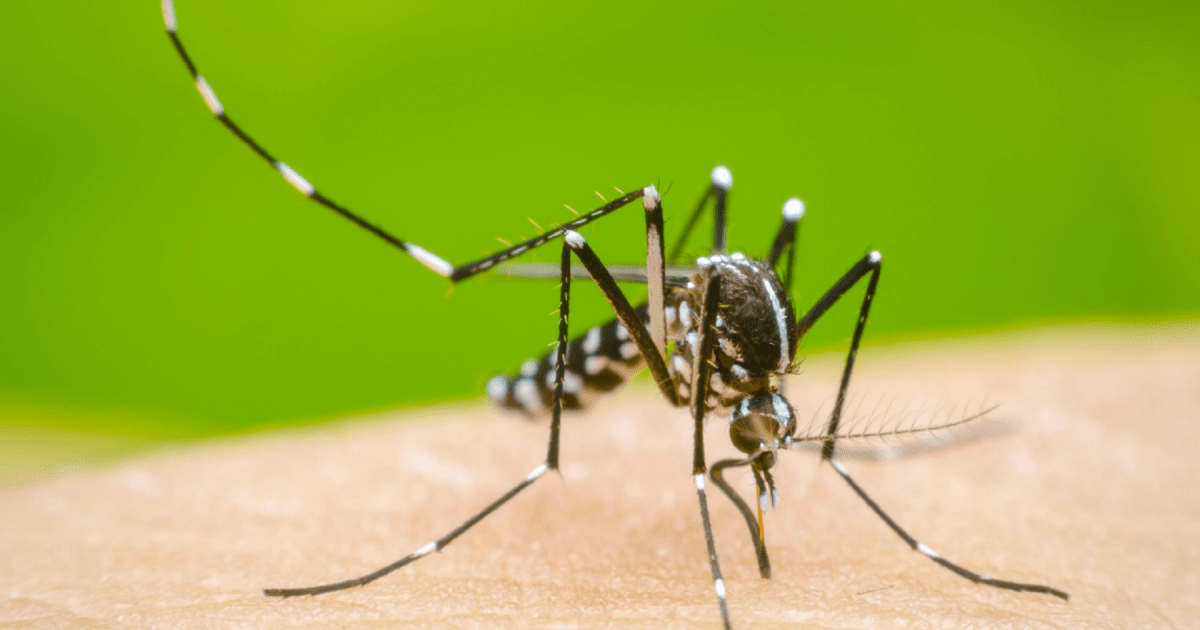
756, 336
755, 333
598, 362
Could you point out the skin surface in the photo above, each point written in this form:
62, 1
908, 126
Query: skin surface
1092, 491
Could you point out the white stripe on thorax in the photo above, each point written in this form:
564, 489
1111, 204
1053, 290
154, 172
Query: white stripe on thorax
781, 321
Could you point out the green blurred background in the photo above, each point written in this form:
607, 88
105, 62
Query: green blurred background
1019, 163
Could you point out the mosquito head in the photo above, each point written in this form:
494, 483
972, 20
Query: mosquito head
761, 424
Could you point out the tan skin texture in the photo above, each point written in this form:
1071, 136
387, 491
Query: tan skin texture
1093, 492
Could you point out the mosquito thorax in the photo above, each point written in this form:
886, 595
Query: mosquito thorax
756, 336
761, 423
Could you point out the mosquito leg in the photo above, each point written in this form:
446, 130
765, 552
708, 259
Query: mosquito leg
871, 263
560, 367
434, 262
551, 463
717, 474
702, 371
436, 545
656, 271
681, 240
722, 181
633, 324
933, 555
793, 211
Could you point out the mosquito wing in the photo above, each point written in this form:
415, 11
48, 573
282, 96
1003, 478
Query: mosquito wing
676, 276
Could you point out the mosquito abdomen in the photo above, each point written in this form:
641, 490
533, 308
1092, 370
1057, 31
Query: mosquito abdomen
598, 361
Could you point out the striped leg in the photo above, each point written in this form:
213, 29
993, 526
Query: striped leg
933, 555
793, 211
702, 369
637, 329
656, 269
434, 262
871, 263
603, 358
551, 463
722, 181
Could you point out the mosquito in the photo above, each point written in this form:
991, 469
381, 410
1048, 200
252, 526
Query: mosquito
729, 317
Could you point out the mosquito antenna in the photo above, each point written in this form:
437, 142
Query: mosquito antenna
911, 429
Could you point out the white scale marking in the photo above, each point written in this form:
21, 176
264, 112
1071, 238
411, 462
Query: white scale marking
685, 315
572, 382
682, 367
629, 350
875, 257
426, 550
295, 179
719, 584
732, 269
575, 239
591, 343
782, 412
168, 11
497, 388
742, 410
926, 550
622, 332
785, 349
793, 209
651, 198
526, 393
210, 97
529, 367
699, 479
537, 472
595, 365
722, 177
434, 262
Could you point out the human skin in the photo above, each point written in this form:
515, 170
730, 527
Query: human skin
1092, 491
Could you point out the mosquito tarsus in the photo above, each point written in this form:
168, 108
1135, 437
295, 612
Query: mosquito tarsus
730, 318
